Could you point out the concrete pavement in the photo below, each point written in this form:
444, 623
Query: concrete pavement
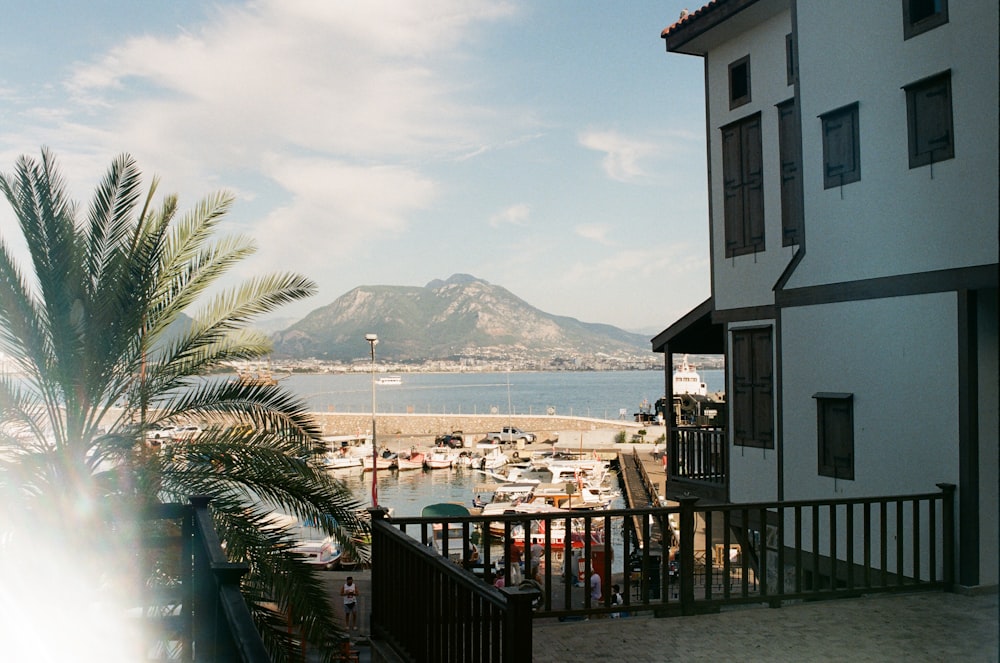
916, 628
925, 627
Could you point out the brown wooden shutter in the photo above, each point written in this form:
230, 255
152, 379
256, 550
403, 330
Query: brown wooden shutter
934, 121
763, 388
753, 183
789, 142
742, 402
732, 186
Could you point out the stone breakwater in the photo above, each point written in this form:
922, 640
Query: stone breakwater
419, 427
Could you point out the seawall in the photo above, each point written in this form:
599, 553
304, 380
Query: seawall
418, 427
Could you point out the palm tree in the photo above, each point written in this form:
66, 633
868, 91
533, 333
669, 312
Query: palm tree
104, 350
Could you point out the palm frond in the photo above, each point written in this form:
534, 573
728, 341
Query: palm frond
90, 322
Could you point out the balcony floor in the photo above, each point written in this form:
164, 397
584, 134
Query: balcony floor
929, 626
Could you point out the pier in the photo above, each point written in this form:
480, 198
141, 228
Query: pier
644, 481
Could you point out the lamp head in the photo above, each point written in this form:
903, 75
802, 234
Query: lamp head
371, 338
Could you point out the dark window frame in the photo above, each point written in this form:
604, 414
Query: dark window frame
739, 82
917, 19
929, 111
835, 435
790, 171
743, 186
791, 66
753, 387
841, 146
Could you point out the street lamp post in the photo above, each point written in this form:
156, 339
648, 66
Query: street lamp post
373, 341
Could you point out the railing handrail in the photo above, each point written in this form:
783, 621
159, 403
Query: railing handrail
460, 617
788, 550
216, 622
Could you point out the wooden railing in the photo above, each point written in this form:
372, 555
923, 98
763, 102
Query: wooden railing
427, 608
763, 553
193, 608
697, 454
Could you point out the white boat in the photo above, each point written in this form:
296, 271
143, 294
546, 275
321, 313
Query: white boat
464, 459
413, 461
389, 380
440, 459
687, 380
325, 553
381, 462
338, 462
493, 458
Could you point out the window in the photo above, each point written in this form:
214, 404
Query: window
928, 120
753, 394
789, 151
923, 15
743, 186
835, 433
790, 69
841, 147
739, 82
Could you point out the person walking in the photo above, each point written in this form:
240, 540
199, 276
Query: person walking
350, 593
595, 587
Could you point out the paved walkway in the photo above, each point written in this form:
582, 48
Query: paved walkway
927, 627
924, 627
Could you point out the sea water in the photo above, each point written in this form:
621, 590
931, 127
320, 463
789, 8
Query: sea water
598, 394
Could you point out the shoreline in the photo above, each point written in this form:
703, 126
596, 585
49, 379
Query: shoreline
552, 429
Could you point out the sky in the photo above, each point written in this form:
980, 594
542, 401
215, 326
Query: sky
551, 147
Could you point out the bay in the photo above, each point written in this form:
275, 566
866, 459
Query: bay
598, 394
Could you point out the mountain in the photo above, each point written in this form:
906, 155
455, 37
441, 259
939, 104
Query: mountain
462, 318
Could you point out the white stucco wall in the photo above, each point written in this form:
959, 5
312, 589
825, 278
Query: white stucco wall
748, 280
896, 220
898, 358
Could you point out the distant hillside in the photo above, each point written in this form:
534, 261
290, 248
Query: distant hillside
462, 317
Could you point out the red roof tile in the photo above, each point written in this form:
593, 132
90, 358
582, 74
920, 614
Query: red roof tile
687, 16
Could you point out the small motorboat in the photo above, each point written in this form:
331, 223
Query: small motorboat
324, 553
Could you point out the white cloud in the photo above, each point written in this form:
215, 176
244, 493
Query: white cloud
335, 209
597, 232
516, 215
621, 154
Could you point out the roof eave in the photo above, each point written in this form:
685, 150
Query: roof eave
684, 35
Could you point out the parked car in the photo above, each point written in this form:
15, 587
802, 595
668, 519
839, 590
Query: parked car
188, 432
162, 435
452, 440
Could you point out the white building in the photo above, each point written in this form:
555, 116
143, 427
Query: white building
853, 188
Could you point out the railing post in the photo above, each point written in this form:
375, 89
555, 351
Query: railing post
517, 644
202, 591
378, 514
687, 554
948, 533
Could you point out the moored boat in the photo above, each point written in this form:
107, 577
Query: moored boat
384, 461
439, 459
325, 553
414, 460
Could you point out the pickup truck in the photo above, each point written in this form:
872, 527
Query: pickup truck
510, 434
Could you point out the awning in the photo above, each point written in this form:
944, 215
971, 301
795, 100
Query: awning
695, 333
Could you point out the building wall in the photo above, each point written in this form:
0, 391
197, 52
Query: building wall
896, 220
747, 280
898, 359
